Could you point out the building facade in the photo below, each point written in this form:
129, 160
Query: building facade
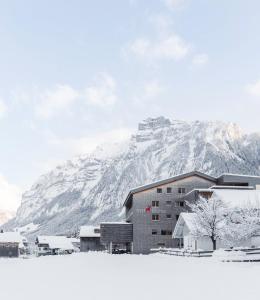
90, 239
9, 249
154, 209
117, 237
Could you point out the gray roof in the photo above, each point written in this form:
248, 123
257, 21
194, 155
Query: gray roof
166, 181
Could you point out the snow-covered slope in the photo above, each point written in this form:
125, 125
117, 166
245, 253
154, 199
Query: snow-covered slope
90, 189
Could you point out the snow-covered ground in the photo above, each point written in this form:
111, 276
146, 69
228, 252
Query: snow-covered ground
95, 276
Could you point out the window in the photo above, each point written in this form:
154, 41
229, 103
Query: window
154, 231
166, 232
155, 203
180, 203
159, 190
181, 190
169, 190
168, 216
177, 217
155, 217
96, 230
161, 244
168, 202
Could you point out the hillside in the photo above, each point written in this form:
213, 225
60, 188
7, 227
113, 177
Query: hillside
92, 188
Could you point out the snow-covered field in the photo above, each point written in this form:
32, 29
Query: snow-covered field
93, 276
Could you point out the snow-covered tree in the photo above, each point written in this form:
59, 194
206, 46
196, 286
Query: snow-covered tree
232, 225
210, 218
241, 224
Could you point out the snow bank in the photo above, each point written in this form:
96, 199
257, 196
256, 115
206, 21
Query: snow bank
98, 276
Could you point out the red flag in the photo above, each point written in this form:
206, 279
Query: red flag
148, 209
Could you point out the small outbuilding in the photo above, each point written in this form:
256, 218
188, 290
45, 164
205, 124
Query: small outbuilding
183, 231
53, 245
12, 244
90, 239
185, 226
117, 237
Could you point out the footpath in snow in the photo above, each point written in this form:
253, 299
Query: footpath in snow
96, 276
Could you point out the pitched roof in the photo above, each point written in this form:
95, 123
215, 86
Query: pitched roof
56, 242
185, 219
13, 237
167, 181
89, 231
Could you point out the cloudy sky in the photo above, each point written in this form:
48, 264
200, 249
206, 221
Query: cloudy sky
77, 73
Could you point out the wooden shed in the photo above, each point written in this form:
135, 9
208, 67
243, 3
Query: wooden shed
90, 239
117, 236
9, 249
12, 244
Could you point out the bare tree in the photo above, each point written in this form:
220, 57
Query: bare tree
210, 218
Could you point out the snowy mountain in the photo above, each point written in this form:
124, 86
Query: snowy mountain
92, 188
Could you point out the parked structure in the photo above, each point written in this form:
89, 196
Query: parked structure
154, 209
12, 244
52, 245
117, 237
90, 239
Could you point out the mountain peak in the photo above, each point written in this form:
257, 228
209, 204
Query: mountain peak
91, 189
154, 123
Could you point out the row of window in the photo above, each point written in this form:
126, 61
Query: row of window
181, 190
155, 203
163, 232
156, 217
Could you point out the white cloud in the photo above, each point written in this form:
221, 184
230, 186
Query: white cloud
3, 108
71, 147
102, 92
85, 145
254, 88
62, 98
10, 195
152, 89
200, 59
56, 101
150, 93
170, 47
174, 4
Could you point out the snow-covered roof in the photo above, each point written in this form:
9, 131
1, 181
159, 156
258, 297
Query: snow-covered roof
56, 242
185, 220
89, 231
198, 190
13, 237
74, 240
239, 175
239, 198
231, 187
167, 181
123, 223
